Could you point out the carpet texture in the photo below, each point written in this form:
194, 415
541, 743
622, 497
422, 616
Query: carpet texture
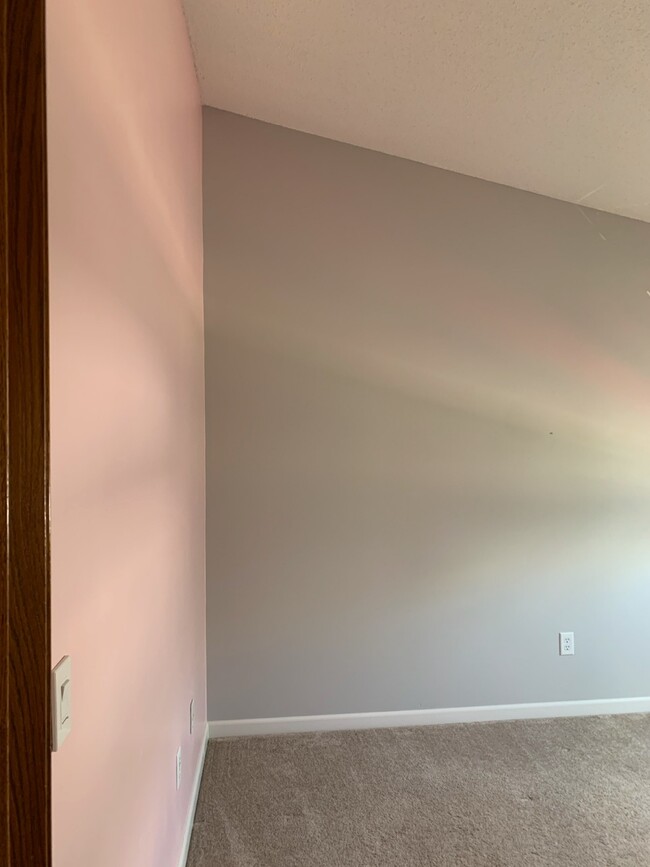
570, 792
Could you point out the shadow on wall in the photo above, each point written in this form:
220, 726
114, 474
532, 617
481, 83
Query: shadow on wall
428, 403
127, 401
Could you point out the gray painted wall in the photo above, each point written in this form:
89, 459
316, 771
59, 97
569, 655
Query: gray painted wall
428, 409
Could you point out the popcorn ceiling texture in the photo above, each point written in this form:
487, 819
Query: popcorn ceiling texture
551, 96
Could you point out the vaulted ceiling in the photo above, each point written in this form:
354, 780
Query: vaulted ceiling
551, 96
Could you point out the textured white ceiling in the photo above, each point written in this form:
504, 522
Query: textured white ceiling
551, 96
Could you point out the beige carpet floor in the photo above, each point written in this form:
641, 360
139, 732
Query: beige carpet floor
573, 792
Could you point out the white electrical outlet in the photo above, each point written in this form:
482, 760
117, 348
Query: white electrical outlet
192, 716
178, 768
567, 644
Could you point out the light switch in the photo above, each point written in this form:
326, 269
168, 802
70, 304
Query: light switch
65, 702
61, 688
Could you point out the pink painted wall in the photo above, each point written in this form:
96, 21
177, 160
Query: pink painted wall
128, 517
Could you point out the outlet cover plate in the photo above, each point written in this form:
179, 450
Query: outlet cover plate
567, 644
178, 768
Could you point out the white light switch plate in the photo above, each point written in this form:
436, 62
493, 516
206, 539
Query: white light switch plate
61, 688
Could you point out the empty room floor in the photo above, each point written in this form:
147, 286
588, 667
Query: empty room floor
537, 792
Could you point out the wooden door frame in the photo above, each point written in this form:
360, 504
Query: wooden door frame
25, 787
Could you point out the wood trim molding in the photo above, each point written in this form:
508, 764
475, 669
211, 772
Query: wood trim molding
435, 716
25, 796
194, 800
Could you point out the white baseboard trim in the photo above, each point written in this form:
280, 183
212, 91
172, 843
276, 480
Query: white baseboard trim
194, 797
437, 716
